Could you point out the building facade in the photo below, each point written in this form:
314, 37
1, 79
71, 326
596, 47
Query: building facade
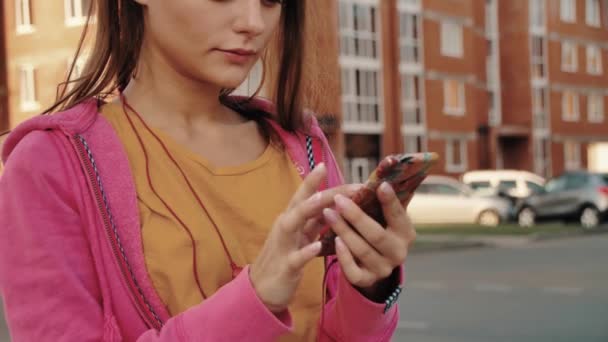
514, 84
518, 84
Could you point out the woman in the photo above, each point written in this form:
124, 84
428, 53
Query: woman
176, 212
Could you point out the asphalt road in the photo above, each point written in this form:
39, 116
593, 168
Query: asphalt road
551, 291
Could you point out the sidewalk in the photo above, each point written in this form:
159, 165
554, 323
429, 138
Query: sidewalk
444, 242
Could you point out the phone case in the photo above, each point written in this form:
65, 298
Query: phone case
404, 172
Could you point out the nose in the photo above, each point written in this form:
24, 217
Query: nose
250, 18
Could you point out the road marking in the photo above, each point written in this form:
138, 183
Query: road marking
500, 288
426, 285
568, 291
413, 325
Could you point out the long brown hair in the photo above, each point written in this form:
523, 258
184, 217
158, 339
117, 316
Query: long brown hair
117, 46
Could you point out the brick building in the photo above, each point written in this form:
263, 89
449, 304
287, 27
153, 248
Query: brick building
485, 83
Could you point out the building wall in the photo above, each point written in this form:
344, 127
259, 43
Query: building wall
47, 49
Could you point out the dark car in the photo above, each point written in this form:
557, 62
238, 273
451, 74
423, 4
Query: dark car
580, 196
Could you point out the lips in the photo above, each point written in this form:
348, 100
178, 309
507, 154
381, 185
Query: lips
240, 52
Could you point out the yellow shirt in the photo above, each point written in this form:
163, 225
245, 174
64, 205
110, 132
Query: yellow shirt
243, 201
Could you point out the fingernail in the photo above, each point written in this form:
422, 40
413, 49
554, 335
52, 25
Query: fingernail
316, 198
320, 167
315, 246
341, 201
338, 242
330, 216
387, 189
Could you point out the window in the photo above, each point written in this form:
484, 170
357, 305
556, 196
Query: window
570, 106
360, 66
534, 188
542, 156
572, 155
456, 152
556, 184
538, 57
411, 99
444, 189
567, 10
414, 143
569, 57
595, 108
23, 17
480, 185
359, 169
27, 87
537, 14
592, 13
594, 60
539, 108
76, 11
359, 30
576, 181
451, 39
453, 97
409, 42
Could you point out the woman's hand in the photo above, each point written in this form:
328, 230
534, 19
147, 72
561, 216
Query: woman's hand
370, 256
277, 270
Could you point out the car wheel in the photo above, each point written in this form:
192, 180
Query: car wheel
488, 218
590, 217
526, 218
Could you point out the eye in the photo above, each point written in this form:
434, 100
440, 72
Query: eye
271, 3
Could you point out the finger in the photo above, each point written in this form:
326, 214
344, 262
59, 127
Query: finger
394, 212
389, 244
309, 186
296, 217
298, 259
313, 227
353, 273
361, 249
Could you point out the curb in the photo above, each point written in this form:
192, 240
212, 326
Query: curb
539, 237
448, 246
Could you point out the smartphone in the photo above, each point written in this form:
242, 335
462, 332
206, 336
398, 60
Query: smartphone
404, 172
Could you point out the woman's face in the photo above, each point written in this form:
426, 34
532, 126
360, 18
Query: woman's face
211, 41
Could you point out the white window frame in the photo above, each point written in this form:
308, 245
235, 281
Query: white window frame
567, 11
537, 16
23, 17
409, 23
364, 165
570, 117
538, 60
456, 111
594, 51
451, 39
450, 167
569, 48
575, 163
409, 138
595, 108
75, 6
27, 88
592, 13
359, 107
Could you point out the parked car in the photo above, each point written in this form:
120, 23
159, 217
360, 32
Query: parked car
515, 183
580, 196
442, 199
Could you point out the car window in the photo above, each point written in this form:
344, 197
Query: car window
423, 189
605, 178
444, 189
480, 185
507, 184
556, 184
534, 188
576, 181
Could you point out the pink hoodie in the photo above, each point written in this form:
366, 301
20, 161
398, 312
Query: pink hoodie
72, 264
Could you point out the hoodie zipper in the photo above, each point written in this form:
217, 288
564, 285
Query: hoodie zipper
142, 304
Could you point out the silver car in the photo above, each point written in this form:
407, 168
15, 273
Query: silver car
580, 196
444, 200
